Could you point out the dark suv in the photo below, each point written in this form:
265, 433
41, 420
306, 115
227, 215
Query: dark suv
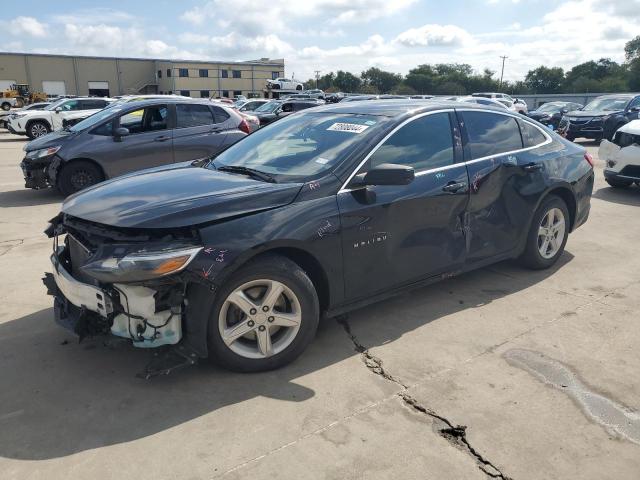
128, 137
277, 109
317, 214
601, 117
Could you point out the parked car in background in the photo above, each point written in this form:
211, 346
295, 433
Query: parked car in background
489, 102
601, 118
520, 106
4, 115
360, 98
36, 123
495, 95
319, 214
334, 97
551, 113
422, 97
132, 136
622, 156
315, 93
284, 84
250, 105
277, 109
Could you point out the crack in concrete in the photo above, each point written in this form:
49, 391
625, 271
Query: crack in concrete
456, 435
4, 249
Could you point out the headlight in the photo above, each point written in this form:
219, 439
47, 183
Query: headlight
141, 266
43, 152
18, 115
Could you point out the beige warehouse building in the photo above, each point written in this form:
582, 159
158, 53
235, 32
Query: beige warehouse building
108, 76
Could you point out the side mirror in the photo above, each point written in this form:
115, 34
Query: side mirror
385, 174
119, 133
58, 109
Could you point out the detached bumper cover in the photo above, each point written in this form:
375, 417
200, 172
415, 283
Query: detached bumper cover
622, 175
36, 172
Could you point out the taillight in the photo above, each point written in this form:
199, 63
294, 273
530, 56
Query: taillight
244, 126
588, 158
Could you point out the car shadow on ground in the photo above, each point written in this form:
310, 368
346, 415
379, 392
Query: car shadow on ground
623, 196
60, 397
28, 197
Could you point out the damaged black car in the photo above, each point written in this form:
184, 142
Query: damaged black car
237, 257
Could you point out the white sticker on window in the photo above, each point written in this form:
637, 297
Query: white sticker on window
348, 127
322, 161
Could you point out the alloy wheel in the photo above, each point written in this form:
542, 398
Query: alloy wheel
38, 130
551, 233
81, 179
260, 318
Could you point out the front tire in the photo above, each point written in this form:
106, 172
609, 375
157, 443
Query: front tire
6, 106
547, 235
298, 87
77, 176
37, 129
264, 317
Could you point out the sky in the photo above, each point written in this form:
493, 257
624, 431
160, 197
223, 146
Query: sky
331, 35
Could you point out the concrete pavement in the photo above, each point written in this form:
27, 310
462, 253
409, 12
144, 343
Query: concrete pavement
420, 386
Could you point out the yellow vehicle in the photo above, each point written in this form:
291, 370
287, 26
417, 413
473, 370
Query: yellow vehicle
18, 95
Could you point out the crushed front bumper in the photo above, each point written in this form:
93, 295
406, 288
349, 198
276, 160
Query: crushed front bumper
35, 173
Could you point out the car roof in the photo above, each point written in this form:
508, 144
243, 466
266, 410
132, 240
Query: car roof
400, 107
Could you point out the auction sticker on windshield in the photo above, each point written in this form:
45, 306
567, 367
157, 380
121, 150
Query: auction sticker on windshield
348, 127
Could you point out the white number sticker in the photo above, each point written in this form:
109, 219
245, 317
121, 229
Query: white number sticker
348, 127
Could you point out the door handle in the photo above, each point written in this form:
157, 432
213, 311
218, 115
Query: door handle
532, 167
454, 187
161, 138
215, 130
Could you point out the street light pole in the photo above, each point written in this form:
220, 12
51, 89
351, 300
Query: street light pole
503, 57
317, 72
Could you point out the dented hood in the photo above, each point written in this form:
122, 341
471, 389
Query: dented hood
176, 196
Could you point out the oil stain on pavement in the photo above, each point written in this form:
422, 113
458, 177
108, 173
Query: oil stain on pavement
613, 416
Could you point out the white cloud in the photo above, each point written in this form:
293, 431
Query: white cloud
94, 15
27, 26
434, 35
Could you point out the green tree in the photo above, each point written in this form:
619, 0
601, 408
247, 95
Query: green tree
347, 82
632, 54
632, 49
382, 81
545, 80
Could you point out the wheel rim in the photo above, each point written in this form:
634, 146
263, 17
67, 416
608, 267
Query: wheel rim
551, 233
260, 319
38, 130
81, 179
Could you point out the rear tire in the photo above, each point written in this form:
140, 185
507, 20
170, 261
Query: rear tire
37, 129
6, 106
298, 87
618, 183
547, 235
297, 300
78, 175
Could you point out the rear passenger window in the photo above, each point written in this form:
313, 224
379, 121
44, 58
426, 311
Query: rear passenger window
423, 144
531, 135
147, 119
193, 115
220, 114
491, 133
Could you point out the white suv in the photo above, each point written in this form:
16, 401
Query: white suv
36, 123
284, 84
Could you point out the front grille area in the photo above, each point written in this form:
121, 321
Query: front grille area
79, 254
631, 171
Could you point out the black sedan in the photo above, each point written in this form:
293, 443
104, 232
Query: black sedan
551, 113
601, 118
327, 210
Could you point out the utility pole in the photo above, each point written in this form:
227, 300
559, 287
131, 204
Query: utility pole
503, 57
317, 72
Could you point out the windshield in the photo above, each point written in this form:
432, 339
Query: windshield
300, 146
607, 103
94, 119
550, 107
56, 103
269, 107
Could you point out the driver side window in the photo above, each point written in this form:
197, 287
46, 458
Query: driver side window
424, 144
147, 119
